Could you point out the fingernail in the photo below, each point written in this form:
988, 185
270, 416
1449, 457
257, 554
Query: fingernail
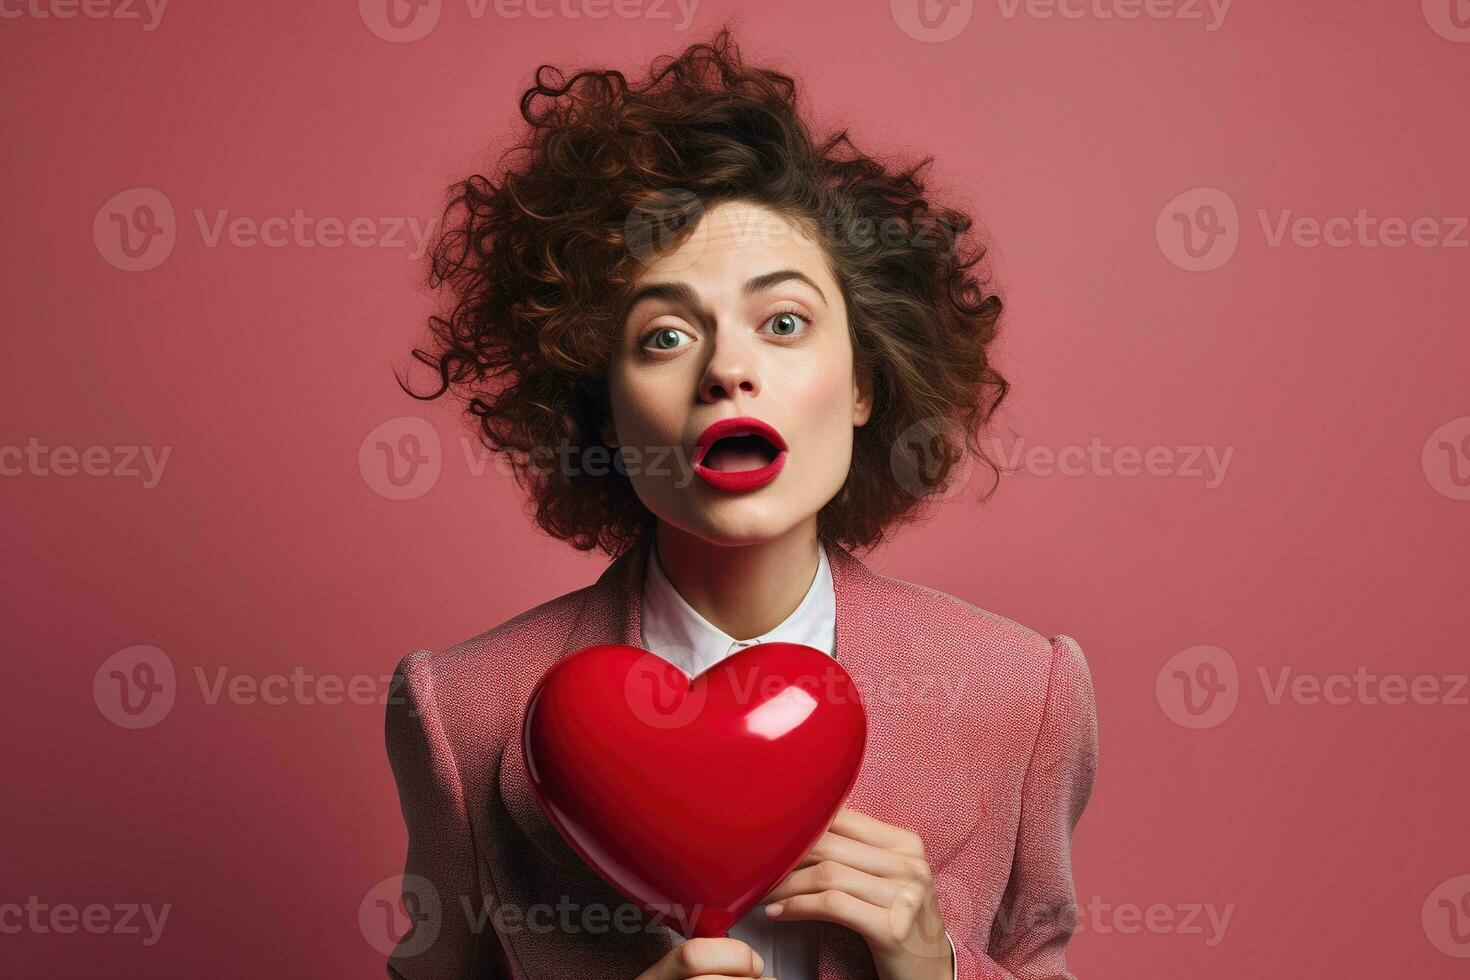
773, 909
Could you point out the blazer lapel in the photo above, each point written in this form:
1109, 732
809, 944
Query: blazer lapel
609, 614
911, 771
841, 953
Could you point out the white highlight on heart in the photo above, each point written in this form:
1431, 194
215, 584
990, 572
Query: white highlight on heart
781, 714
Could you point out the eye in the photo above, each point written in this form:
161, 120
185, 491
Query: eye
789, 323
663, 338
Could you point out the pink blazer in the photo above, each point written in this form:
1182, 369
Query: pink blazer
994, 787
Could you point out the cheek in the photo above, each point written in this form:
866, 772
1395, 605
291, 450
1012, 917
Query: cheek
823, 408
647, 411
825, 394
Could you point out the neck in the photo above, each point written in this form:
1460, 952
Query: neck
745, 590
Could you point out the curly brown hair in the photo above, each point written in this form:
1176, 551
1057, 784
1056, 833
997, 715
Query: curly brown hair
540, 265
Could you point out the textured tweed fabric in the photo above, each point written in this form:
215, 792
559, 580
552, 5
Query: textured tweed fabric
982, 739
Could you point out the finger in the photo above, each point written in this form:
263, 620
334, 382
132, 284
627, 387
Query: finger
864, 857
712, 957
867, 920
870, 830
830, 874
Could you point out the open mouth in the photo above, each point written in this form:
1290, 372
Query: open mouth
736, 454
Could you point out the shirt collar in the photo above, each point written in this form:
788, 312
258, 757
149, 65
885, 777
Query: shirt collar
675, 631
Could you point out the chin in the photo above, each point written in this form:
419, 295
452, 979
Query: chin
739, 522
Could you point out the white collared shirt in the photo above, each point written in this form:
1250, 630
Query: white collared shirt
675, 631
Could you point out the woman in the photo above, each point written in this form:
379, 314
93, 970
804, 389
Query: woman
727, 355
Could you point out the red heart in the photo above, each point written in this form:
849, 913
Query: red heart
694, 798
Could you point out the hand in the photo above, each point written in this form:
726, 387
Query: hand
706, 959
873, 878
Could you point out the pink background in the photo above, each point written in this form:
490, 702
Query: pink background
1335, 542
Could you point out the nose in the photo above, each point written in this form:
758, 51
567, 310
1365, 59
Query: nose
730, 369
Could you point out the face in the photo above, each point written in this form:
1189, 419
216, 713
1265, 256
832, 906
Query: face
742, 319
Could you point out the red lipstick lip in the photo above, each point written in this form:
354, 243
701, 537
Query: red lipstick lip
741, 425
744, 480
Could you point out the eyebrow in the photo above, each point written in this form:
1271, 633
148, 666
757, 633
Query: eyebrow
682, 293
